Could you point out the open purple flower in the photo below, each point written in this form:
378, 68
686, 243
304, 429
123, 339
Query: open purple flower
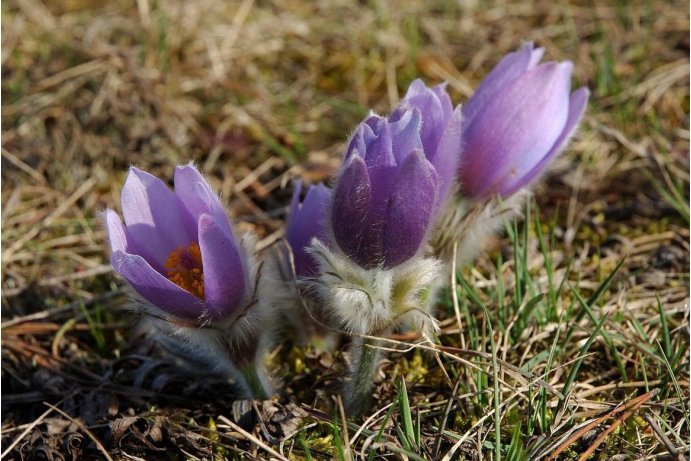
387, 192
307, 220
520, 117
177, 249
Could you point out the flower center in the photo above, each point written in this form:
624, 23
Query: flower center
185, 269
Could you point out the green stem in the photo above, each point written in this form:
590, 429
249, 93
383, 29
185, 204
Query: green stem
256, 384
365, 363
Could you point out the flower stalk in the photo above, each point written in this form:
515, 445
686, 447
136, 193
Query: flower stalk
358, 392
256, 382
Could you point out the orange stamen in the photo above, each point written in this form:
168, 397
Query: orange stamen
185, 269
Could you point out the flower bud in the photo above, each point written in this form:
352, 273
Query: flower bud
306, 221
520, 117
387, 194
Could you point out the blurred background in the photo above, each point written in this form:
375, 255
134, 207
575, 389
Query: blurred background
258, 92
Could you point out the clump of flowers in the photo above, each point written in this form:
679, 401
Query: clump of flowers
520, 117
193, 280
367, 255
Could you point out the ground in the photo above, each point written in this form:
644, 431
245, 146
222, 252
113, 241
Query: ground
571, 330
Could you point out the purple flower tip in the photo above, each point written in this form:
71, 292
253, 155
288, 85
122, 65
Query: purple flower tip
307, 220
177, 248
520, 117
440, 132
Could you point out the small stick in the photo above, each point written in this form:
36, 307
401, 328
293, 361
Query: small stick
661, 435
252, 438
634, 404
28, 429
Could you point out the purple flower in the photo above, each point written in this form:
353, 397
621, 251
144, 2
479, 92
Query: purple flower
441, 128
387, 192
518, 119
307, 220
177, 248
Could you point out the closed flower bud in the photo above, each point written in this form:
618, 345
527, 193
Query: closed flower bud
520, 117
375, 275
387, 194
307, 220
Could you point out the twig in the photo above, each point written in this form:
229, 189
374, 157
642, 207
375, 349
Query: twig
633, 404
252, 438
16, 161
454, 294
28, 429
661, 435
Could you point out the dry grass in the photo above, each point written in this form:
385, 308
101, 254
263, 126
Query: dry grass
258, 92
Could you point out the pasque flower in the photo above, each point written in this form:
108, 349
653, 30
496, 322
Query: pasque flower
202, 285
307, 220
375, 275
177, 249
520, 117
393, 181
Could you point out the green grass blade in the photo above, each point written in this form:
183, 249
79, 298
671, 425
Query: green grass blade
406, 415
370, 457
574, 369
497, 397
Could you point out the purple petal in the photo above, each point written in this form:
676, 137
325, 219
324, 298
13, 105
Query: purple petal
154, 287
362, 137
515, 130
410, 209
225, 279
448, 155
198, 198
435, 108
117, 234
405, 134
305, 222
294, 202
510, 68
351, 230
577, 104
417, 88
535, 56
154, 218
379, 152
444, 99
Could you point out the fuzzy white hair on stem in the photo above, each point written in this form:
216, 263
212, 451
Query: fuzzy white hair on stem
470, 224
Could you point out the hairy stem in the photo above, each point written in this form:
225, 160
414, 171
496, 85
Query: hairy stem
365, 363
256, 384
